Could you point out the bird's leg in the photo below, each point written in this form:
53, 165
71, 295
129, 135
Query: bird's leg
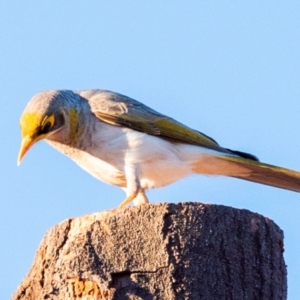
128, 199
141, 198
133, 184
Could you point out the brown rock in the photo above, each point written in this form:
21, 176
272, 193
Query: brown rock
163, 251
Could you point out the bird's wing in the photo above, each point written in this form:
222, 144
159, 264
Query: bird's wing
120, 110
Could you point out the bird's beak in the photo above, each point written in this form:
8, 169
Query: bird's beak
27, 143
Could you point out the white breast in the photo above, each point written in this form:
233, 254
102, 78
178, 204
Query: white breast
110, 148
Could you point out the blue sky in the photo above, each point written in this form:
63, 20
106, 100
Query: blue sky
228, 69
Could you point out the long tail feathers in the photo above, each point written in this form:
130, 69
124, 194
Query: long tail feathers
251, 170
266, 174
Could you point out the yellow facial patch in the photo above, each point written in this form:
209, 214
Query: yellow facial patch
29, 123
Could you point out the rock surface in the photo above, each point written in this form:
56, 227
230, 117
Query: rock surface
161, 251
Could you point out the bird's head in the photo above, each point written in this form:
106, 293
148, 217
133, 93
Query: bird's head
46, 116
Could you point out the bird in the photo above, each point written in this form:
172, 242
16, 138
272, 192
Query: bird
125, 143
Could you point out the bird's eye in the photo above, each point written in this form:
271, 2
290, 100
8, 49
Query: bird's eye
46, 127
47, 124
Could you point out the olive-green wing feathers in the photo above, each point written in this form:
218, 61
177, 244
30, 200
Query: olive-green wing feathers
120, 110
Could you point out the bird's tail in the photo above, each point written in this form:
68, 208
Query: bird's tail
250, 169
